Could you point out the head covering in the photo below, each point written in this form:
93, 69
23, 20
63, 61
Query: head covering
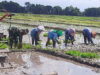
41, 28
93, 34
72, 31
59, 32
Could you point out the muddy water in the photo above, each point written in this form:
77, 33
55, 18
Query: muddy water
34, 63
78, 44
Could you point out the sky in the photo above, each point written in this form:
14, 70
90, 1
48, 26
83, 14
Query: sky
81, 4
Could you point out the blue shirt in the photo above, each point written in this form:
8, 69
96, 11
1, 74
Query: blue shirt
34, 33
87, 33
52, 35
68, 35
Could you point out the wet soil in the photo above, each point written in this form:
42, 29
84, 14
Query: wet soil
35, 63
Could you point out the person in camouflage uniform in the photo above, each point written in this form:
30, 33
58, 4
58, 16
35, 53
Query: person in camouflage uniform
16, 35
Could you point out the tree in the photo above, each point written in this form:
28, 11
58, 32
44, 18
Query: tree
27, 6
11, 6
47, 9
57, 10
92, 12
72, 11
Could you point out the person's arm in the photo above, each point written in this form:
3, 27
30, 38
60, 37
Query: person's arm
90, 38
72, 39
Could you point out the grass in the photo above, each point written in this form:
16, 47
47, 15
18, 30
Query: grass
3, 46
82, 54
92, 21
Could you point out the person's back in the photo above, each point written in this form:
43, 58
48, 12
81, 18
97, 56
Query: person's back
52, 35
34, 32
87, 33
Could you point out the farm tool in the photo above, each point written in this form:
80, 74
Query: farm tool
3, 17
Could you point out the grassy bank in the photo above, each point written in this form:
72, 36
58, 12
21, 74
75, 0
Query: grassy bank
94, 21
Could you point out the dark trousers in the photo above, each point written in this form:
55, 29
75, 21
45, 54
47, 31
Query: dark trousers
86, 38
54, 43
34, 40
13, 40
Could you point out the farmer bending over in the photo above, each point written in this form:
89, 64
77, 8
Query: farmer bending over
16, 35
53, 35
88, 35
35, 34
69, 35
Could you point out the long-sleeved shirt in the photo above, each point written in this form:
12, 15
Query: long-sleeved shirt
87, 33
52, 35
68, 35
34, 33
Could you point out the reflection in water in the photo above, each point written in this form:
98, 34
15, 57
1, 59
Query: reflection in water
56, 66
38, 64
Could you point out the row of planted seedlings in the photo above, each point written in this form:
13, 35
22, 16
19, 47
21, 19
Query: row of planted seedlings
71, 52
75, 54
82, 57
5, 44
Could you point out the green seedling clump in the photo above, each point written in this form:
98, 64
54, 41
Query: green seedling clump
50, 42
27, 46
3, 46
69, 41
45, 34
83, 55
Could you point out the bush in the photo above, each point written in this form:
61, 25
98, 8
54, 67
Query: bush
83, 55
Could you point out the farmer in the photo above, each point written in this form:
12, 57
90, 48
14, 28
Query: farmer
53, 35
88, 35
69, 35
20, 35
35, 34
16, 35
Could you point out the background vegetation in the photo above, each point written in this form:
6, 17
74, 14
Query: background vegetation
41, 9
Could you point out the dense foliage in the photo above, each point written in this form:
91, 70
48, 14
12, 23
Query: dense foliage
41, 9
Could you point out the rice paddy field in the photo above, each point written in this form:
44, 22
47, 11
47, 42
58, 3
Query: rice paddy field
35, 63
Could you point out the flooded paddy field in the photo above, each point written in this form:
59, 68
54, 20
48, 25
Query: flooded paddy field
35, 63
78, 44
78, 27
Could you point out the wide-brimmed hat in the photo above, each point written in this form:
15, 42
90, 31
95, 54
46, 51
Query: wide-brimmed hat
41, 28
